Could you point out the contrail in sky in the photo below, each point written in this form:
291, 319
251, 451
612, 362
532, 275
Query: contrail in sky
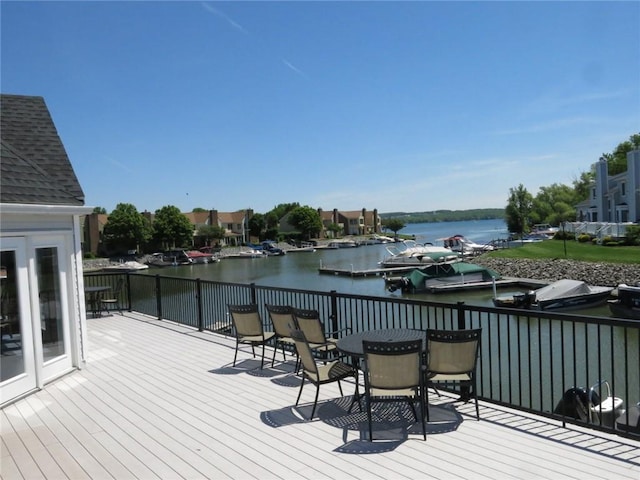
220, 14
293, 67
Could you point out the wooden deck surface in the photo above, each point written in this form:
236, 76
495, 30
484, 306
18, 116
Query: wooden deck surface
161, 401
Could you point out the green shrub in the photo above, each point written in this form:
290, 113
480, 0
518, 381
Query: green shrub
584, 238
89, 255
633, 235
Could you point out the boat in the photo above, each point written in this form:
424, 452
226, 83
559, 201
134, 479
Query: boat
248, 252
409, 253
461, 244
627, 305
302, 247
429, 278
343, 243
545, 229
130, 266
269, 247
564, 294
201, 257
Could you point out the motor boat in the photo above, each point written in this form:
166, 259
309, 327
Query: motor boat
427, 279
409, 253
464, 246
197, 256
627, 305
129, 266
564, 294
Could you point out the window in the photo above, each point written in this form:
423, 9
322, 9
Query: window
623, 189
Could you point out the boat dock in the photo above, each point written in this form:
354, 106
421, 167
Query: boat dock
507, 282
363, 273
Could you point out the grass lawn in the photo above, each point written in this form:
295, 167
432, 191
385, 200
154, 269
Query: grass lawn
585, 252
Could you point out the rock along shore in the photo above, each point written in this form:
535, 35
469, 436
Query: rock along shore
606, 274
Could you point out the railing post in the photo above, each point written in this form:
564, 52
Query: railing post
465, 390
334, 311
252, 292
199, 300
129, 292
158, 298
461, 319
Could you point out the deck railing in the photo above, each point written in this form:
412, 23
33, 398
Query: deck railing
528, 359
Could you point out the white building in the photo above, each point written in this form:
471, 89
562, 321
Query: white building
42, 310
615, 198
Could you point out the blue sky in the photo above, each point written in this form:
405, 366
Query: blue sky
399, 106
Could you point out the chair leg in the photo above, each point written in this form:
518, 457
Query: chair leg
369, 419
262, 358
235, 355
275, 349
315, 402
356, 397
300, 391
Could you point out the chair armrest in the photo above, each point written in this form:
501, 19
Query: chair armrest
335, 332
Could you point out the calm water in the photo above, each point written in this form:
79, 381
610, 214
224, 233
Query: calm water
300, 270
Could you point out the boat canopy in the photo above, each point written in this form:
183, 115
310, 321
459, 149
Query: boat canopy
561, 289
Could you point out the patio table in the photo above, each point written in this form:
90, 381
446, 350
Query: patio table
352, 344
93, 295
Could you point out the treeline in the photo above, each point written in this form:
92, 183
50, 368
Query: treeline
447, 215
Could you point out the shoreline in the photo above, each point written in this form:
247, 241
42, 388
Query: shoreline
548, 270
551, 270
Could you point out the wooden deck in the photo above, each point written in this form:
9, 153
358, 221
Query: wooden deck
157, 400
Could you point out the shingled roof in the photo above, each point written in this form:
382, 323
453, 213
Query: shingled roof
34, 166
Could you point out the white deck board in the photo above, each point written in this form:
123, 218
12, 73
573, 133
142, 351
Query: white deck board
161, 401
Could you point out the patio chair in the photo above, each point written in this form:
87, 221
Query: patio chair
283, 322
452, 357
333, 371
392, 373
248, 328
113, 302
313, 328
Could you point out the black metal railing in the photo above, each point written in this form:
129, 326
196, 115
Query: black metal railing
528, 359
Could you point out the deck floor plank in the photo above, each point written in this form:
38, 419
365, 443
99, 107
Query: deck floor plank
160, 400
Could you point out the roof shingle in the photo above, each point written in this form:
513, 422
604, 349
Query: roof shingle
34, 166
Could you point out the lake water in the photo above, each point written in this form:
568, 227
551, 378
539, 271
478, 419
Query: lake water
300, 270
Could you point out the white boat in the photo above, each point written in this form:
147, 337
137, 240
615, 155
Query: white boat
130, 266
461, 244
343, 243
248, 253
564, 294
304, 247
409, 253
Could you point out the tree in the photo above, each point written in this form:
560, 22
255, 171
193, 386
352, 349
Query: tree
306, 220
199, 210
335, 229
582, 185
126, 228
171, 227
617, 160
519, 206
393, 224
554, 205
257, 225
100, 210
210, 232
